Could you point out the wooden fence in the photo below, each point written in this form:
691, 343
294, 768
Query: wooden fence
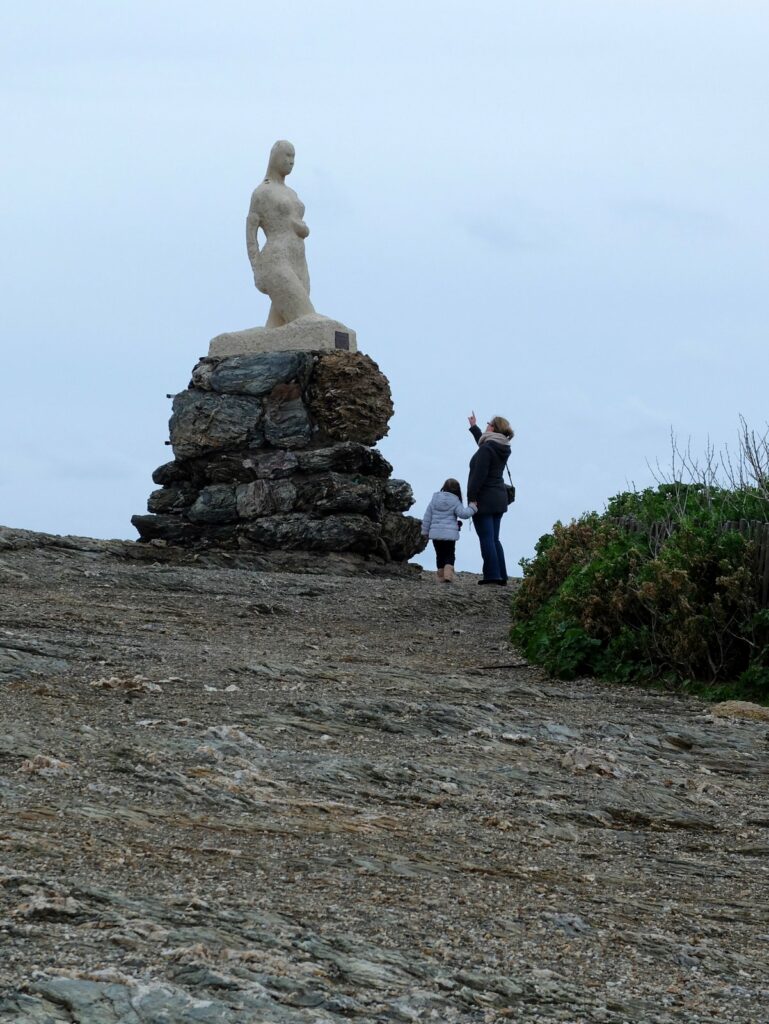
755, 530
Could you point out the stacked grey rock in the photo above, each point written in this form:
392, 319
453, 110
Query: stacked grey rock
273, 451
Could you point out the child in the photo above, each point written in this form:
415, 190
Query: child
441, 524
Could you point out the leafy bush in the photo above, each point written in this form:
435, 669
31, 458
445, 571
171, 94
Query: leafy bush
698, 502
601, 599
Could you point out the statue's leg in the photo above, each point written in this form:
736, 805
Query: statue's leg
289, 297
304, 276
274, 319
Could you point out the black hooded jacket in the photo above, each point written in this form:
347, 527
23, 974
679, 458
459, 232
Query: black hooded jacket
485, 484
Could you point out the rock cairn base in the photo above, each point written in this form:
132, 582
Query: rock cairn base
274, 451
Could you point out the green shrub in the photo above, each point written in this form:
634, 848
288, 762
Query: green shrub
599, 599
693, 502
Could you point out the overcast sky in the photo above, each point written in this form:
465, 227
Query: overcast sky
554, 210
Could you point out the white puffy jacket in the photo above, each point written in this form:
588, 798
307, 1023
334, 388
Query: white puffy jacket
440, 519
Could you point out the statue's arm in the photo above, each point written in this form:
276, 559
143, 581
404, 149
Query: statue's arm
252, 226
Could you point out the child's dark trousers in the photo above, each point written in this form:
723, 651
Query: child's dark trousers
444, 552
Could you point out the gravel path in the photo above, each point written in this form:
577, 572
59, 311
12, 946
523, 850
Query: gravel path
239, 796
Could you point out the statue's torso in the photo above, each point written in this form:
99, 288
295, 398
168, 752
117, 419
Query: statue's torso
280, 213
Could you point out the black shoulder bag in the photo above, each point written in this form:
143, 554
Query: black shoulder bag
510, 488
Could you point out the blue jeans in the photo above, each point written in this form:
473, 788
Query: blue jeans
487, 528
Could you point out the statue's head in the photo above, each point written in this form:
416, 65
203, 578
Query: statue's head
282, 157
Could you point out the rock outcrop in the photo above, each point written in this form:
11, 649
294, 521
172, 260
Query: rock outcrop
274, 451
235, 795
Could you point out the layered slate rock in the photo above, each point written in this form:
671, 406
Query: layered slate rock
274, 451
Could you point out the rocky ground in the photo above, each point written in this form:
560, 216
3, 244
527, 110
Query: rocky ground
241, 795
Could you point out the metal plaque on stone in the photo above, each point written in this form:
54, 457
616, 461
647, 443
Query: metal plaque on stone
342, 340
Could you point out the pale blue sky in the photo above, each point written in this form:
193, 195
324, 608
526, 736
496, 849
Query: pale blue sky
556, 211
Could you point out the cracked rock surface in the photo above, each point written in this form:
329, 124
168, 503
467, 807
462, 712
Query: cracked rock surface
237, 795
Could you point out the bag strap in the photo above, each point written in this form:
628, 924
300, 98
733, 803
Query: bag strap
507, 470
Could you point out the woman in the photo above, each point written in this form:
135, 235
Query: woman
280, 268
487, 494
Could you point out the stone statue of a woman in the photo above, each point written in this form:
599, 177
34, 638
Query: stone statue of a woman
280, 267
280, 271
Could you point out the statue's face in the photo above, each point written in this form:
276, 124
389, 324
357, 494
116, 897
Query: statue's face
285, 160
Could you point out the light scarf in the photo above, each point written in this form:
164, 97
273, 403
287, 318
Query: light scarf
491, 435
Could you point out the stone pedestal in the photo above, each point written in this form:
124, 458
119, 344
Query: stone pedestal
312, 333
273, 451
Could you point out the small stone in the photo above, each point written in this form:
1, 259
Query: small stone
202, 421
331, 533
402, 536
50, 908
255, 374
171, 529
265, 497
287, 421
41, 764
345, 457
399, 497
172, 499
215, 504
588, 759
741, 709
132, 685
272, 465
349, 397
572, 924
170, 473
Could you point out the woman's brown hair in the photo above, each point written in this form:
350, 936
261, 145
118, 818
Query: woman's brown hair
502, 426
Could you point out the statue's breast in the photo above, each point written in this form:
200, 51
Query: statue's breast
279, 207
296, 205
